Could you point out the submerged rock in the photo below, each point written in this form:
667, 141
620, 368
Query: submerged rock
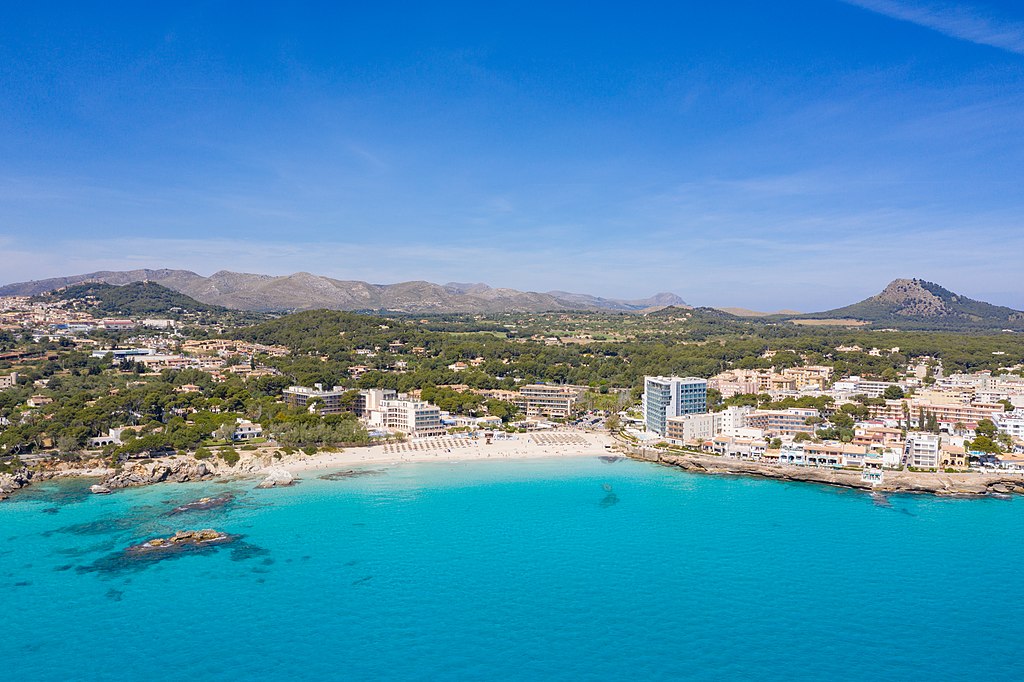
99, 489
349, 473
277, 477
204, 503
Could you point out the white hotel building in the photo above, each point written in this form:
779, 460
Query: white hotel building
666, 397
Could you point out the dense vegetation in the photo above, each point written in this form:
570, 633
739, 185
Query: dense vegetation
325, 345
133, 300
609, 352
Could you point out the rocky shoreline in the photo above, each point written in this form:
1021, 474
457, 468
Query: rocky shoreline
933, 483
179, 469
9, 483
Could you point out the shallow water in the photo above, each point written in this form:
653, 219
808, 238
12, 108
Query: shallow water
542, 569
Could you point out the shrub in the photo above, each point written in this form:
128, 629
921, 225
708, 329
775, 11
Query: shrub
203, 453
310, 450
230, 456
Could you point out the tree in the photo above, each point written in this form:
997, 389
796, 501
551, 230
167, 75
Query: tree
893, 393
67, 444
984, 444
987, 428
612, 422
226, 432
501, 409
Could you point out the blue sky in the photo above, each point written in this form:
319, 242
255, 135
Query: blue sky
769, 155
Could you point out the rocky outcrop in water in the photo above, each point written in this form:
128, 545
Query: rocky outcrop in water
181, 540
15, 480
204, 503
145, 473
277, 477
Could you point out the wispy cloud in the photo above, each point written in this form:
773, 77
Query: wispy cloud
960, 21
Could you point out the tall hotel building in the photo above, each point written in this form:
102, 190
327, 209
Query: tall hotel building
666, 397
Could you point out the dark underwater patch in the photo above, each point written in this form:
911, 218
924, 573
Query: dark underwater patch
57, 493
89, 549
610, 499
131, 561
243, 551
350, 473
107, 526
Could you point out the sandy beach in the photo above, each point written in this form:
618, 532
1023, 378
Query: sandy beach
452, 448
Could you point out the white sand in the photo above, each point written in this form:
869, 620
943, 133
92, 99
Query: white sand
452, 449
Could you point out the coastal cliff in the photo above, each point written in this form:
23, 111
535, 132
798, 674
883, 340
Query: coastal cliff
934, 483
181, 470
14, 481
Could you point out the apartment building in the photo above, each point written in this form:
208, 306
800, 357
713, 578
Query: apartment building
945, 412
736, 381
873, 436
739, 448
690, 427
782, 422
1011, 423
327, 401
548, 400
117, 325
666, 397
412, 417
8, 381
810, 376
729, 421
818, 454
370, 400
923, 450
857, 386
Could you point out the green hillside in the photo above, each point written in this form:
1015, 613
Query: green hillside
132, 300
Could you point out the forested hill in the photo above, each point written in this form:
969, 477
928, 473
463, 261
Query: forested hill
332, 331
132, 300
917, 304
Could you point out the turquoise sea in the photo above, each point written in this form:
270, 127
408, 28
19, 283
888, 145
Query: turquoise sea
566, 569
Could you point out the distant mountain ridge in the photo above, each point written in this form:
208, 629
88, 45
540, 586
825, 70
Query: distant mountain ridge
304, 291
918, 304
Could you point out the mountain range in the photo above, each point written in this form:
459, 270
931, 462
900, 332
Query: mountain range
903, 304
304, 291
